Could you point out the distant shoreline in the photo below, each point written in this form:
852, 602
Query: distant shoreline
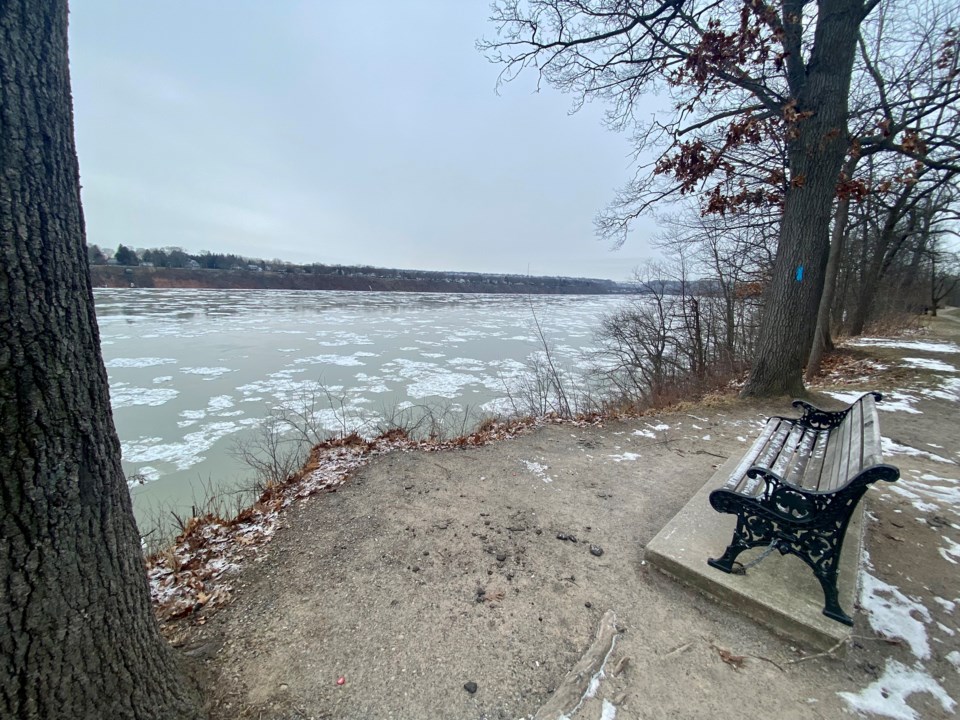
113, 276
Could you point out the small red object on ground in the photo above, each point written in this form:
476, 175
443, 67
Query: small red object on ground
341, 680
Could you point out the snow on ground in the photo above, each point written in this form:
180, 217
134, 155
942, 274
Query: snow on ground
892, 402
954, 658
891, 447
538, 469
896, 616
950, 553
887, 696
920, 345
929, 364
948, 390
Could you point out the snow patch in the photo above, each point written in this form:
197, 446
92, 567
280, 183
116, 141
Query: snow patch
537, 469
950, 553
893, 615
953, 657
929, 364
625, 456
895, 448
892, 402
609, 711
887, 696
947, 605
935, 347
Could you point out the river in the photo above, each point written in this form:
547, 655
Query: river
194, 371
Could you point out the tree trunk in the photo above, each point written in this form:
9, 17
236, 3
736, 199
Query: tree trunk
821, 336
77, 634
815, 156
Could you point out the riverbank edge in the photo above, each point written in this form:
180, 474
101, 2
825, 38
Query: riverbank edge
193, 573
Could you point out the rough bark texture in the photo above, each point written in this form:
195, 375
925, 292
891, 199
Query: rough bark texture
77, 636
815, 157
822, 341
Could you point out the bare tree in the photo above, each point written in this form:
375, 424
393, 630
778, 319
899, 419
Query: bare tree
743, 77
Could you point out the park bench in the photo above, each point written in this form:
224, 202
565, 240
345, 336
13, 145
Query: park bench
798, 485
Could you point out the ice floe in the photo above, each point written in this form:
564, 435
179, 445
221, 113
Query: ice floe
208, 372
121, 397
140, 362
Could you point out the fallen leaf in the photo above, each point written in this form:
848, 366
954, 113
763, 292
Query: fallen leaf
734, 661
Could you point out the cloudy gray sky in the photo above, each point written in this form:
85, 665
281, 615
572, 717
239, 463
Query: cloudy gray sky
335, 132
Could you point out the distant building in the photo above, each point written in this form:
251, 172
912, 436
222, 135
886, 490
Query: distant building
192, 264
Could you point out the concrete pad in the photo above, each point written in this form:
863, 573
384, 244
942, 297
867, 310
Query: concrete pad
780, 593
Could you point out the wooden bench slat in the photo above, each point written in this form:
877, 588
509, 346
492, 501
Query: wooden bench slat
833, 459
773, 448
759, 445
872, 454
855, 455
787, 454
806, 470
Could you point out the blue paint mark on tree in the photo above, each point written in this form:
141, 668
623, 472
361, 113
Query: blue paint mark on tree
799, 273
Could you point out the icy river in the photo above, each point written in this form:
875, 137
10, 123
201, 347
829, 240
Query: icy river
192, 372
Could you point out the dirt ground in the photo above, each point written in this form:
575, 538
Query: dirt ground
427, 571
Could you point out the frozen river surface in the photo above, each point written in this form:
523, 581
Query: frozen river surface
192, 371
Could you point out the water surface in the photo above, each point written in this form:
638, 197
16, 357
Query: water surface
193, 371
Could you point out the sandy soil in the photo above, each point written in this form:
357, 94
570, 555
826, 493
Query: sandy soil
428, 571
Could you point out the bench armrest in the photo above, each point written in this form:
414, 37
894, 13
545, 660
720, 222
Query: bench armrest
786, 501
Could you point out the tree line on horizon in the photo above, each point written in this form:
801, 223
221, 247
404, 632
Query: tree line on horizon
178, 258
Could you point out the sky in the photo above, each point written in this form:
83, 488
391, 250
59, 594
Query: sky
339, 133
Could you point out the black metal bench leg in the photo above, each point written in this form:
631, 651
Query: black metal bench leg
831, 601
736, 546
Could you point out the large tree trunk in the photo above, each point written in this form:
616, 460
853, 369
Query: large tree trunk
815, 156
77, 635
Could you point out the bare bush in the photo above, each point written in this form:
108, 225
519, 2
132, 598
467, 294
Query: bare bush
437, 421
675, 337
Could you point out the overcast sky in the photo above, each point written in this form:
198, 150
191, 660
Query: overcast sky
335, 132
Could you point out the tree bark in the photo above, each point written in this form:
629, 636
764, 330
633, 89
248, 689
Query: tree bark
815, 157
77, 634
821, 337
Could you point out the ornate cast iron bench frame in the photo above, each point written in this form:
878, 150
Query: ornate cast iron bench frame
797, 488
